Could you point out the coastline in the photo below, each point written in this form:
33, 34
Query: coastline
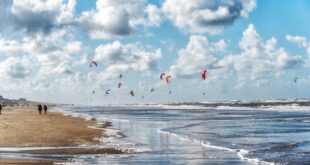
22, 126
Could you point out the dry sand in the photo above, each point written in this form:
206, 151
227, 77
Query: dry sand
25, 161
24, 127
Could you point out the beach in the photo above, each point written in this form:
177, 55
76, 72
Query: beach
24, 127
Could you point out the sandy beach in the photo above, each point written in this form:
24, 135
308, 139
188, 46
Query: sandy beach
24, 127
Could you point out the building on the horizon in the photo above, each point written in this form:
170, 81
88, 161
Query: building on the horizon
22, 100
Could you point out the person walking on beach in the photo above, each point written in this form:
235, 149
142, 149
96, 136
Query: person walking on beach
0, 108
45, 109
40, 108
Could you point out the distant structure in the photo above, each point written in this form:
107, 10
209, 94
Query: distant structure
13, 101
1, 99
22, 100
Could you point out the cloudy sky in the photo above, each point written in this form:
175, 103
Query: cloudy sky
252, 49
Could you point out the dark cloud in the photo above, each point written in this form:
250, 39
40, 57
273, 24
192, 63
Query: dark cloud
18, 71
118, 25
31, 18
234, 12
34, 22
199, 16
16, 67
5, 14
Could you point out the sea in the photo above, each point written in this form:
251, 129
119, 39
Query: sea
195, 134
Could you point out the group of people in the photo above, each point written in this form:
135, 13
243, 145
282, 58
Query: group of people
40, 108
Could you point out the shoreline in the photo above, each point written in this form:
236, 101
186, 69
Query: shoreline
23, 127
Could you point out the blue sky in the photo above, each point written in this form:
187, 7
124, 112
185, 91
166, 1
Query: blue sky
251, 49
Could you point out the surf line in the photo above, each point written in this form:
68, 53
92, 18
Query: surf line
240, 152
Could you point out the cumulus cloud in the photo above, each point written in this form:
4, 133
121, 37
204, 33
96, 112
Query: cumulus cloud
153, 15
43, 35
110, 18
260, 59
118, 18
198, 55
52, 54
45, 51
301, 41
125, 57
201, 16
14, 67
35, 16
9, 47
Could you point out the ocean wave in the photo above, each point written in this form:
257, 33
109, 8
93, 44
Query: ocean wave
242, 153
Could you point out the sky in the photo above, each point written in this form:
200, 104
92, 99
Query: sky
252, 50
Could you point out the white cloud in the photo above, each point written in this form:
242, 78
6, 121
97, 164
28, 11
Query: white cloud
198, 55
74, 47
43, 36
118, 18
258, 62
9, 47
153, 14
125, 57
260, 59
46, 52
112, 18
14, 67
40, 15
84, 59
52, 54
201, 16
66, 15
302, 42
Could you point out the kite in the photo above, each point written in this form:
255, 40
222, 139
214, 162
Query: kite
107, 92
204, 74
162, 75
93, 63
168, 79
132, 93
295, 79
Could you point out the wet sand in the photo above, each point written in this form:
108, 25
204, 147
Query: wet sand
24, 127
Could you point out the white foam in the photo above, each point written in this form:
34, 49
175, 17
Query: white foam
202, 143
240, 152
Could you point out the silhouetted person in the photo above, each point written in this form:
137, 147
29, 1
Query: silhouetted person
40, 108
45, 109
0, 108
